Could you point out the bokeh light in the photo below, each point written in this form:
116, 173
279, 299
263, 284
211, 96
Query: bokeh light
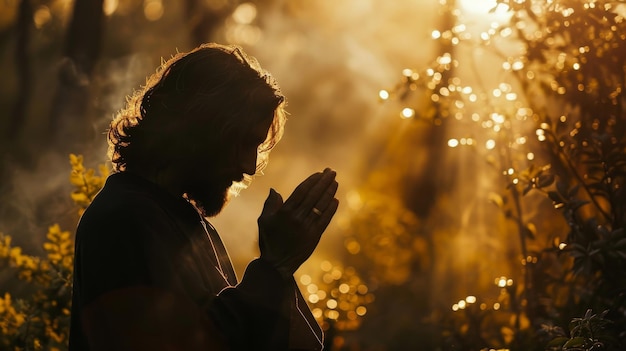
464, 141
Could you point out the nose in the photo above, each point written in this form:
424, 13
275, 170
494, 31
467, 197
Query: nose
248, 162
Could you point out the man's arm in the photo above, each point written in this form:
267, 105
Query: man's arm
148, 318
289, 232
264, 311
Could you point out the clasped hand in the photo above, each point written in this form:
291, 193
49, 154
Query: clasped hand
290, 231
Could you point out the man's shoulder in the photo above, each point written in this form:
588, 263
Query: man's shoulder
122, 193
125, 198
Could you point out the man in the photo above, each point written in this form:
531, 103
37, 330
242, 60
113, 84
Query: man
151, 273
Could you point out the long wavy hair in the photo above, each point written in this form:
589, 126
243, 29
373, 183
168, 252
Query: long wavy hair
213, 92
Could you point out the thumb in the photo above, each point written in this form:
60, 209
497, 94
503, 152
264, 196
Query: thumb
272, 204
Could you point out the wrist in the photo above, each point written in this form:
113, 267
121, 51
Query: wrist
284, 272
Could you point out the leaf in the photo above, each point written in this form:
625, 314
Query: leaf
573, 191
527, 188
562, 188
618, 232
592, 162
620, 244
597, 185
574, 205
575, 342
556, 197
530, 230
496, 199
544, 180
577, 250
557, 342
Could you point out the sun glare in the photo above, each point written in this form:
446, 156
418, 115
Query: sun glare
482, 6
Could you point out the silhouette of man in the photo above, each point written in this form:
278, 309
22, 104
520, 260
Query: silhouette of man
151, 273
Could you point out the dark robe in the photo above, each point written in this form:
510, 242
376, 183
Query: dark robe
151, 273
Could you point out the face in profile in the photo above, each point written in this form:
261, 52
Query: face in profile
210, 173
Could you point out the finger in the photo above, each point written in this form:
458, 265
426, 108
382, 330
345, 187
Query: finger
301, 191
272, 204
327, 197
326, 216
317, 191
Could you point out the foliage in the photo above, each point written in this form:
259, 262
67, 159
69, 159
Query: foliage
586, 333
40, 320
87, 184
586, 148
566, 87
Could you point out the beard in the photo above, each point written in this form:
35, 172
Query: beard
209, 199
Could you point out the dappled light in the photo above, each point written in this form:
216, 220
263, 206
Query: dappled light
480, 150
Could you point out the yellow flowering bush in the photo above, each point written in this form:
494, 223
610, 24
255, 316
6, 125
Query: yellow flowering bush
41, 319
86, 182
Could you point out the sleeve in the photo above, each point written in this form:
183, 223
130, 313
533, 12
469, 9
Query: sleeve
128, 300
265, 312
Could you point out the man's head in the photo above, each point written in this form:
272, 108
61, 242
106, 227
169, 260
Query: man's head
205, 119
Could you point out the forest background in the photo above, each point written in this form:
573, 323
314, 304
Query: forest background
481, 157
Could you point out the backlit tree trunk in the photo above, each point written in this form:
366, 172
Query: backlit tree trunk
70, 123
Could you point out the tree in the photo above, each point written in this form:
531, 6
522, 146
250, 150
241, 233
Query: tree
552, 127
69, 118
